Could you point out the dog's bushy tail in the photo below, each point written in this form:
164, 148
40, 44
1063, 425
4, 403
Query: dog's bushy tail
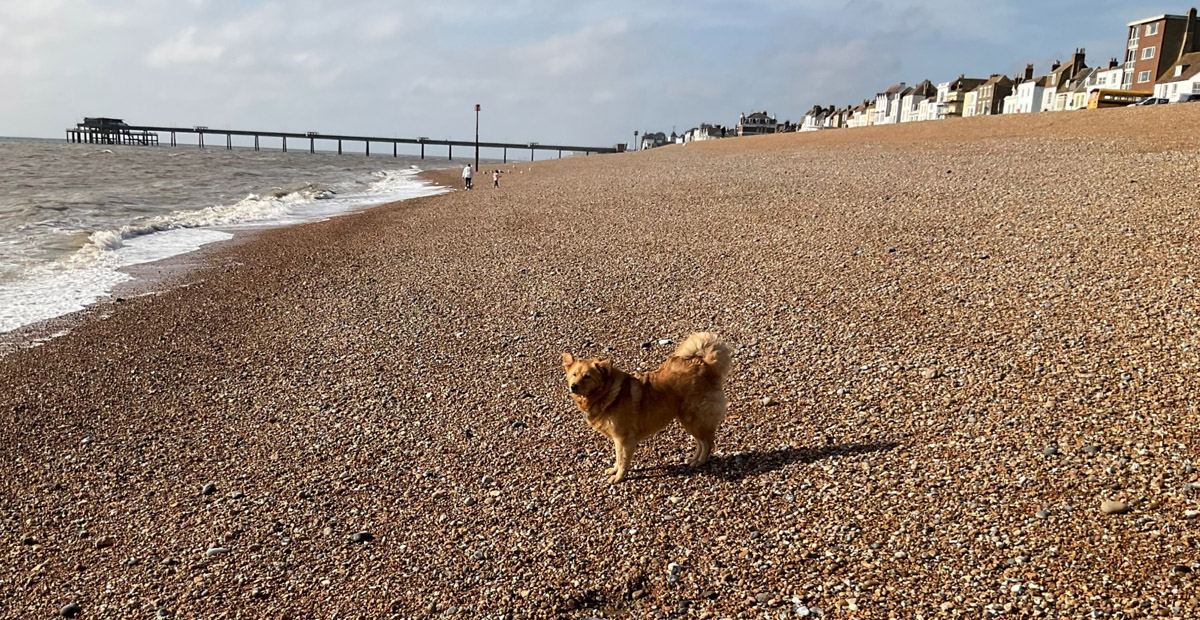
708, 348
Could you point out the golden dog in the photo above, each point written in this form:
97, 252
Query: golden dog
631, 408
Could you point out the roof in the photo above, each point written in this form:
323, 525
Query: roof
966, 83
1191, 68
1156, 18
895, 89
998, 80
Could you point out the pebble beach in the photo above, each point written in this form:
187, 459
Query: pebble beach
964, 384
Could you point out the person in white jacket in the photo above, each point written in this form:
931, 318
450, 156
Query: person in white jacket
467, 174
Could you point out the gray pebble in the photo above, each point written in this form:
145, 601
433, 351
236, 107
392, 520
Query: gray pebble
762, 597
208, 489
70, 610
1043, 514
1050, 451
215, 551
362, 537
1091, 449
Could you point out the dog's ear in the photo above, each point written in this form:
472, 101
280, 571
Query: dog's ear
568, 360
605, 365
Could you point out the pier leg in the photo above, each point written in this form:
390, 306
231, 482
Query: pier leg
506, 154
560, 153
228, 142
393, 149
173, 142
368, 145
422, 150
530, 154
201, 134
339, 147
312, 146
256, 142
285, 144
450, 151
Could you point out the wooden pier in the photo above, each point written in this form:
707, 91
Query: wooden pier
149, 135
110, 131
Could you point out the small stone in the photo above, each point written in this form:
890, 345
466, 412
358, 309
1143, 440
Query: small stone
105, 542
470, 501
163, 612
1091, 449
1113, 507
1043, 514
1191, 514
1050, 451
762, 597
70, 610
479, 555
86, 440
1181, 569
1187, 468
755, 535
664, 341
29, 541
767, 401
487, 481
362, 537
216, 551
647, 344
208, 489
673, 569
929, 373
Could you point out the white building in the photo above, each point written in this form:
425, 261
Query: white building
1029, 97
1182, 79
887, 105
910, 102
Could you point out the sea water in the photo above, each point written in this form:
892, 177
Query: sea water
73, 215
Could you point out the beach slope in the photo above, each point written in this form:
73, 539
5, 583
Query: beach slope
964, 379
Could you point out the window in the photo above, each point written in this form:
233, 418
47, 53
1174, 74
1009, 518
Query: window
1143, 77
1148, 53
1151, 29
1131, 56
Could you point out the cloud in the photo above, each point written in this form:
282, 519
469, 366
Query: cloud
183, 49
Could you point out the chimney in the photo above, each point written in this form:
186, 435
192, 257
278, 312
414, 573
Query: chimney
1189, 35
1078, 63
1113, 64
1029, 71
1054, 67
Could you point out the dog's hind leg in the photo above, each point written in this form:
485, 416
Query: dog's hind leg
702, 424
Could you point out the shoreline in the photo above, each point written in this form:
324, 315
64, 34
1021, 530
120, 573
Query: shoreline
964, 362
158, 276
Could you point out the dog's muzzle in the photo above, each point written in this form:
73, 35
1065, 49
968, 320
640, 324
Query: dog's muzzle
574, 388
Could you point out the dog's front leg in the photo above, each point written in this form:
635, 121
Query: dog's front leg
616, 459
625, 448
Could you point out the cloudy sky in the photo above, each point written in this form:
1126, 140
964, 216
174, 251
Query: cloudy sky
583, 72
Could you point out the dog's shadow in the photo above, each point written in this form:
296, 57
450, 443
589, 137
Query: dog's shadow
734, 467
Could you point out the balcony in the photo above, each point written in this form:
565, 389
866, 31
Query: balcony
1133, 44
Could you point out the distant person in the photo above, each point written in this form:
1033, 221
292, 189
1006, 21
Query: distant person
495, 179
467, 174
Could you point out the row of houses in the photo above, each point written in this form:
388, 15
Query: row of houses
1162, 59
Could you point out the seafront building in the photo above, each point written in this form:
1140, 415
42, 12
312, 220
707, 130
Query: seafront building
1154, 45
1162, 57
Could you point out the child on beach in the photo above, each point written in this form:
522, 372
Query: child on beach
495, 179
467, 174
